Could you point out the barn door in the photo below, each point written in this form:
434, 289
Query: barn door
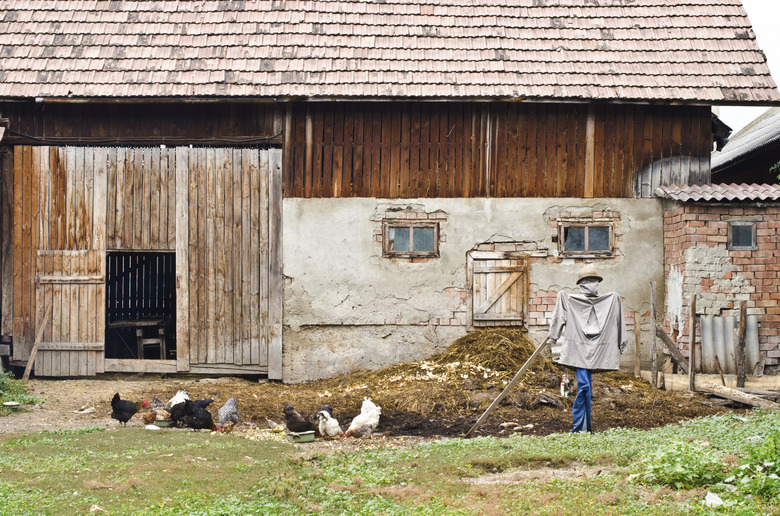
499, 288
61, 203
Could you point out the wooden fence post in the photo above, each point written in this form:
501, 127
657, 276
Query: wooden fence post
692, 346
637, 344
739, 345
653, 344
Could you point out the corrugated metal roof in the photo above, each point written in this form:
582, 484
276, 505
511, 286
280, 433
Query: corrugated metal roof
763, 131
720, 192
658, 50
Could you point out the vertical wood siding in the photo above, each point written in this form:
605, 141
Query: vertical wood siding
408, 150
220, 209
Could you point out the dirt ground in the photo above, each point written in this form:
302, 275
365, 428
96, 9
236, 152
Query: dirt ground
443, 396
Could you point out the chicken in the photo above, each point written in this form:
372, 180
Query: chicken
227, 427
123, 410
295, 421
148, 417
162, 414
157, 404
179, 397
193, 414
328, 425
228, 412
365, 422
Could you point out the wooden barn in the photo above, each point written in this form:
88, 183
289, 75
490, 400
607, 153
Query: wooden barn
299, 189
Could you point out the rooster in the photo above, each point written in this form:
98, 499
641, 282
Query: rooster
296, 422
122, 410
328, 425
228, 412
365, 422
179, 397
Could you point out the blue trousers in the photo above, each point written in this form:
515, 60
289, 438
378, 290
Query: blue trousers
580, 409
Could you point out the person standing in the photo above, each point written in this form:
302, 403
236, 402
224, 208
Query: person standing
592, 332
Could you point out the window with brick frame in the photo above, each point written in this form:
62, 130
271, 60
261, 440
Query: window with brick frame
410, 239
581, 239
741, 235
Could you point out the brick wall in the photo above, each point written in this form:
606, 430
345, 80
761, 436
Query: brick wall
695, 245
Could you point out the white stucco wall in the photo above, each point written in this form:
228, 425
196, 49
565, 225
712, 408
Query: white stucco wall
346, 307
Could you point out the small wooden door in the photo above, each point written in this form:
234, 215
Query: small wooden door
499, 288
70, 293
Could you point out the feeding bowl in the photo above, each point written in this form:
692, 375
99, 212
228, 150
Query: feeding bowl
12, 405
163, 423
302, 437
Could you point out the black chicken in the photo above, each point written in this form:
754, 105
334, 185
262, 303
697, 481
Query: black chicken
296, 422
193, 414
122, 410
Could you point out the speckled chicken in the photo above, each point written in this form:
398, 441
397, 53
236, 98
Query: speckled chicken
228, 412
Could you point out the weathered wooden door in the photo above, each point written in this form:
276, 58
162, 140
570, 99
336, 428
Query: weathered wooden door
499, 288
62, 193
228, 260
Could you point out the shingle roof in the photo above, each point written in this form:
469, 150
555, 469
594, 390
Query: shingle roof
720, 192
660, 50
760, 133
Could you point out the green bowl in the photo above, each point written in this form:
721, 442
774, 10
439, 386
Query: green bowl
302, 437
163, 423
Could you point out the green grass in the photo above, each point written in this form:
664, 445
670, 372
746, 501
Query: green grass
132, 471
13, 390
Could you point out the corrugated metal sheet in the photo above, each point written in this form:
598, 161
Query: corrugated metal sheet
665, 50
721, 192
760, 133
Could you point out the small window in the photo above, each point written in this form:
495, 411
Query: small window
585, 239
411, 239
742, 235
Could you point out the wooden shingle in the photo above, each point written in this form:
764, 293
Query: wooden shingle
647, 50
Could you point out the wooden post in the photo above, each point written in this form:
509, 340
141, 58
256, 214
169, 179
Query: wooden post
674, 351
511, 384
637, 344
653, 344
692, 346
739, 345
720, 371
37, 343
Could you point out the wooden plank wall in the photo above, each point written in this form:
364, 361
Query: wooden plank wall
141, 199
407, 150
227, 256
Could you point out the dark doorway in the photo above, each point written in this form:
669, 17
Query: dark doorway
141, 305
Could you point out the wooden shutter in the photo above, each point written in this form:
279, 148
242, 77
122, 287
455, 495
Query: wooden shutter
499, 288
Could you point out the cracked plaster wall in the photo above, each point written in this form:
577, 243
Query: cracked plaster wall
346, 307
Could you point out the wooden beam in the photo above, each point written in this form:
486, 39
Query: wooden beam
653, 343
637, 345
590, 151
692, 346
37, 343
677, 356
739, 345
736, 395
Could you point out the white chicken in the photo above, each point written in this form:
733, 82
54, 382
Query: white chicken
327, 424
179, 397
365, 422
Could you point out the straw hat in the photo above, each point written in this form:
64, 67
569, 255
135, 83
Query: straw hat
588, 270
